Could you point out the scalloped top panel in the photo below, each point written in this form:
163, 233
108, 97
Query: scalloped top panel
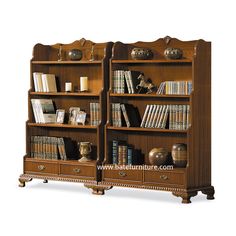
189, 48
51, 52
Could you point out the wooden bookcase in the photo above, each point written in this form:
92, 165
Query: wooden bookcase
195, 66
45, 59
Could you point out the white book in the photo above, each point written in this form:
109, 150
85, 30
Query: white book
163, 124
149, 115
155, 117
145, 116
126, 74
37, 77
158, 116
34, 107
161, 117
46, 111
50, 81
149, 125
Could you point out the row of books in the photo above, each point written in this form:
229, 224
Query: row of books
125, 115
94, 113
44, 111
175, 87
125, 81
124, 154
44, 82
53, 148
175, 117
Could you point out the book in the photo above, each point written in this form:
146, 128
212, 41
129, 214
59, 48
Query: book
43, 110
38, 84
49, 83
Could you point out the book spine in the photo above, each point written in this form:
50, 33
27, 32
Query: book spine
144, 117
149, 125
155, 117
125, 115
115, 152
149, 115
129, 155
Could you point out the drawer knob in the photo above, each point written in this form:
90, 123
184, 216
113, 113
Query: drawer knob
163, 177
41, 167
122, 174
76, 170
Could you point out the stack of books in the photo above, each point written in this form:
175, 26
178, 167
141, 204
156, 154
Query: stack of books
125, 81
95, 113
155, 116
44, 82
125, 115
175, 88
125, 154
53, 148
44, 111
176, 117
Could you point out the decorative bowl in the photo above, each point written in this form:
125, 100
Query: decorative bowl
179, 154
173, 53
141, 54
75, 54
158, 156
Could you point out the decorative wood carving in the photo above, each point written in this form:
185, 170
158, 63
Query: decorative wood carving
98, 189
209, 192
23, 179
185, 195
167, 39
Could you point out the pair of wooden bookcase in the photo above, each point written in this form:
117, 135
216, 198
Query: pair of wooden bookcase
99, 68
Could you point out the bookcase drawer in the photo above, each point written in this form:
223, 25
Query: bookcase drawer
41, 167
78, 170
132, 175
162, 177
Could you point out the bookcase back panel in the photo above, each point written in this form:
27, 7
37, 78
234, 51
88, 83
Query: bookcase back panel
145, 141
72, 73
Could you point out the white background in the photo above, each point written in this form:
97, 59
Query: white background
70, 209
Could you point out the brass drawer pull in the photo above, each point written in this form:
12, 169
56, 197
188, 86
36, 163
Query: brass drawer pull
164, 177
122, 174
76, 170
41, 167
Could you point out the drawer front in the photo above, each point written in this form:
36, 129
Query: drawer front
41, 167
172, 178
78, 170
132, 175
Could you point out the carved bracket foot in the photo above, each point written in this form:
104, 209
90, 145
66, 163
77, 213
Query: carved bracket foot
185, 195
209, 192
98, 189
23, 180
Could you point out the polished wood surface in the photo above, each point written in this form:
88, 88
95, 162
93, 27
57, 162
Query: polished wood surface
195, 66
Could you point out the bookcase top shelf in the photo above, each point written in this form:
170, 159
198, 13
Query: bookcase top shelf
155, 61
65, 94
66, 62
52, 125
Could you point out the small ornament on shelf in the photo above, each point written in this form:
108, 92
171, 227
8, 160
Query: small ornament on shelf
68, 87
85, 149
145, 85
60, 53
83, 84
92, 58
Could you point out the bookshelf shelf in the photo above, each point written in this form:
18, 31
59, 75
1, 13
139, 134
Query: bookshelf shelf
148, 95
67, 126
72, 94
139, 129
155, 61
65, 62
